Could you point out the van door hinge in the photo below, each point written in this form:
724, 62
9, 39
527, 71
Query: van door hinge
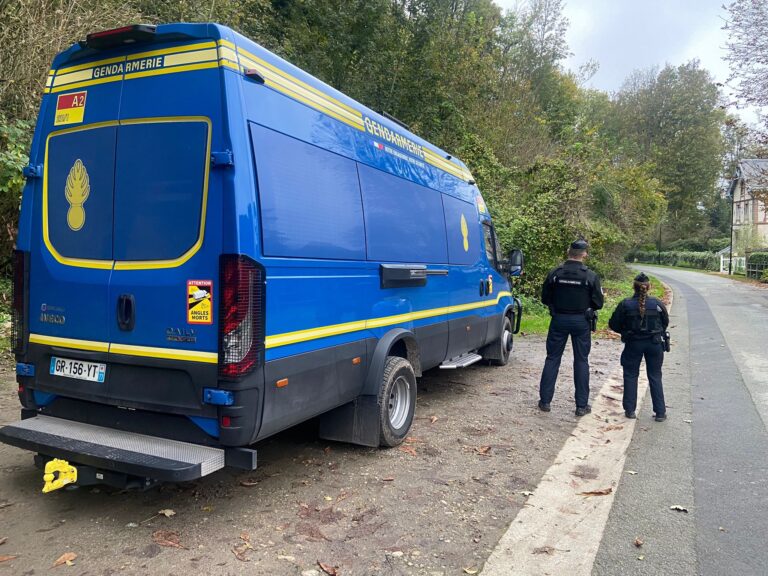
222, 159
31, 171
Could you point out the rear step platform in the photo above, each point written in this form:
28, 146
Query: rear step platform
114, 450
461, 361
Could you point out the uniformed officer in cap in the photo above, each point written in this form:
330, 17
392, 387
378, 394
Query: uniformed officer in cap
573, 293
642, 322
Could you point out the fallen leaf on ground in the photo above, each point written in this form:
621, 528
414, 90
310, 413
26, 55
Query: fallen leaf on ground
327, 449
470, 570
412, 440
328, 569
631, 472
248, 483
432, 419
678, 508
3, 540
526, 493
5, 504
641, 557
638, 542
240, 550
600, 492
65, 558
408, 450
167, 512
612, 427
483, 450
388, 479
687, 421
548, 550
207, 508
5, 558
167, 538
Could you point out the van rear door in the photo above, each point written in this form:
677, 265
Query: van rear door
167, 237
71, 266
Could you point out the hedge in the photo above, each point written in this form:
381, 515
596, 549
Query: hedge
758, 258
684, 259
757, 265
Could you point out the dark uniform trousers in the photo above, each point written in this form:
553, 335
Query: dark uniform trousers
560, 328
634, 352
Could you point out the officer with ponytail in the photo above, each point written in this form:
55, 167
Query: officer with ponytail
642, 322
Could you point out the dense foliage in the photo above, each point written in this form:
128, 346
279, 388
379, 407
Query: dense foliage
554, 160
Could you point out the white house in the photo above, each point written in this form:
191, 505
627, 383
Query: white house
749, 190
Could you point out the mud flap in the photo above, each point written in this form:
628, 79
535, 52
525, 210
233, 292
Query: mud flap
356, 422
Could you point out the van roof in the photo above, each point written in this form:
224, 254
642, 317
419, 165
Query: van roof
238, 52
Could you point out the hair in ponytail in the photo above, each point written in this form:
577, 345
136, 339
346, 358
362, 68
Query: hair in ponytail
641, 286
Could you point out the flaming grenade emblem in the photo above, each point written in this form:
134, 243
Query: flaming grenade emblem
465, 233
77, 189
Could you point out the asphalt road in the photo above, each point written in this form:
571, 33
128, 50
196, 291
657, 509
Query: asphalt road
711, 456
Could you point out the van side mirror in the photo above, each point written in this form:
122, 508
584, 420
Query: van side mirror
515, 262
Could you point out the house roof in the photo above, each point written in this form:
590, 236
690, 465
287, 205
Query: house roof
754, 172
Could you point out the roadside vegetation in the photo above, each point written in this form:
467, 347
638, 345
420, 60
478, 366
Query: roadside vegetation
554, 159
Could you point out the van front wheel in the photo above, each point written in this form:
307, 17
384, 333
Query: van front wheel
397, 401
502, 348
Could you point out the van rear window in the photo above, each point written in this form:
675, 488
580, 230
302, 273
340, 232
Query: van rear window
159, 188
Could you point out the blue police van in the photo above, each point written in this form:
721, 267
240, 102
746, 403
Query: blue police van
215, 246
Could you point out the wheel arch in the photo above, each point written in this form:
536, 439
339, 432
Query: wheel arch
396, 342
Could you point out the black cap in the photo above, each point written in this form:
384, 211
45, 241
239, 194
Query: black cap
642, 278
579, 245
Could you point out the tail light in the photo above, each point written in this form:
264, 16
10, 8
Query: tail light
241, 316
19, 301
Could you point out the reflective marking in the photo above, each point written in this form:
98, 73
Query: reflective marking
287, 338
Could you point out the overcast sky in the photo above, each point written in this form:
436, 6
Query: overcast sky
625, 35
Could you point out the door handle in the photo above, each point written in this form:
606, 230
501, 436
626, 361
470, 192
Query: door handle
126, 312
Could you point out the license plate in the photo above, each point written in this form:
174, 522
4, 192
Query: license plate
92, 371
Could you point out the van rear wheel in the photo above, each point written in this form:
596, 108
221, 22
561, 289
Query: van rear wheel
397, 401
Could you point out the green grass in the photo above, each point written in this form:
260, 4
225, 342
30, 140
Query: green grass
536, 315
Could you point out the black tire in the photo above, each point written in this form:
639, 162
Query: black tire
397, 401
503, 344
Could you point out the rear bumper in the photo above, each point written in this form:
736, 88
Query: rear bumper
114, 450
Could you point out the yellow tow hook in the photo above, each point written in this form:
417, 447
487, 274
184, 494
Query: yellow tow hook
67, 474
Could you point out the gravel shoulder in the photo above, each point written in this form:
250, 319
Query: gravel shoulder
436, 505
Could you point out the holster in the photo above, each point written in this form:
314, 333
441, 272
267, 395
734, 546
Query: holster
591, 316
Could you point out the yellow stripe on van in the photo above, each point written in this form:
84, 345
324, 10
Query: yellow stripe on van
301, 91
291, 78
167, 353
69, 343
287, 338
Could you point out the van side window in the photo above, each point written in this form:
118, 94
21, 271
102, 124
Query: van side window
310, 199
403, 220
490, 244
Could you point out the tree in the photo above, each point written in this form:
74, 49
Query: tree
747, 45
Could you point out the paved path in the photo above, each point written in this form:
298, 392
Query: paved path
710, 457
716, 466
